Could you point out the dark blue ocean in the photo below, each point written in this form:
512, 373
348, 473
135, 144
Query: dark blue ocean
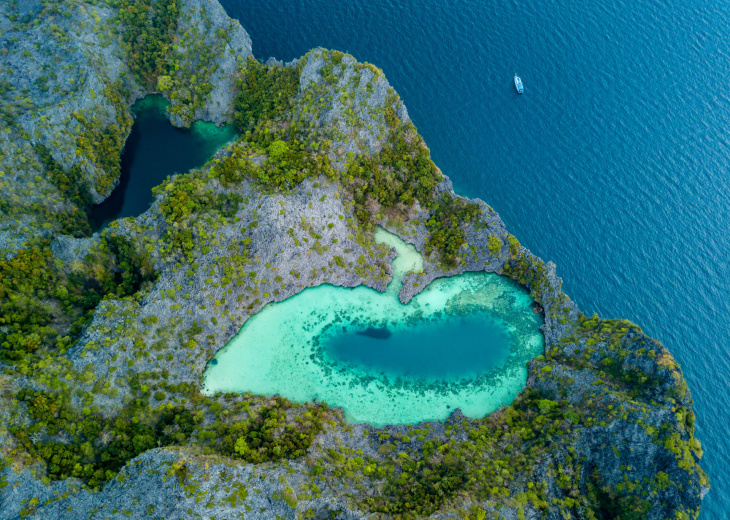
615, 164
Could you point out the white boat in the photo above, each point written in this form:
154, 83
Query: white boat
518, 84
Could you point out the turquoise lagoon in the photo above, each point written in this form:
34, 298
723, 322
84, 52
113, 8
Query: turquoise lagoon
461, 343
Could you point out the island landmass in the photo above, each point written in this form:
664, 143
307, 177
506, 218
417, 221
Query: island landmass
104, 335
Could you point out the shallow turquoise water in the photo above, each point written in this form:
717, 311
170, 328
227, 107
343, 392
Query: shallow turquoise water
462, 343
154, 150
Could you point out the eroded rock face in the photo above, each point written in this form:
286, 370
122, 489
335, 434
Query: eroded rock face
210, 47
605, 424
349, 101
68, 88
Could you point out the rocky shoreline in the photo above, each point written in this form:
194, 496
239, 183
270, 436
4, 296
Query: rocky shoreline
603, 427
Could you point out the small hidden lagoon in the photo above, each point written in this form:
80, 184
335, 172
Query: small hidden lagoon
155, 150
461, 343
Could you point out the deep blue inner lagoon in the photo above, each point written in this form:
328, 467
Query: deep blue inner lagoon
444, 347
154, 150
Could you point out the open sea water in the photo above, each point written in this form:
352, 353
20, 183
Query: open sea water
614, 164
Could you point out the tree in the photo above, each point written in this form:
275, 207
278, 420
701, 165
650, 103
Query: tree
241, 447
164, 84
277, 149
494, 244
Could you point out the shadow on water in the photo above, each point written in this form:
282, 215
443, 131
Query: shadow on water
376, 332
155, 150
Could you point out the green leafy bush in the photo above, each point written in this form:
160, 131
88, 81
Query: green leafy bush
446, 234
494, 244
266, 93
149, 27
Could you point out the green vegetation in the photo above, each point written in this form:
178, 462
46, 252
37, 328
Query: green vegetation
43, 306
99, 446
516, 457
149, 26
267, 434
445, 227
615, 349
421, 489
494, 244
126, 272
501, 452
193, 63
187, 197
527, 270
266, 93
614, 504
500, 456
391, 181
71, 184
53, 195
25, 282
288, 164
401, 173
102, 143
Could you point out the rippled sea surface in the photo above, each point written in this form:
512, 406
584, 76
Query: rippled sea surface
614, 163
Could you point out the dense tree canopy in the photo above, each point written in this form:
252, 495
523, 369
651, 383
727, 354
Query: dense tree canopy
117, 439
149, 27
446, 233
266, 93
37, 299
